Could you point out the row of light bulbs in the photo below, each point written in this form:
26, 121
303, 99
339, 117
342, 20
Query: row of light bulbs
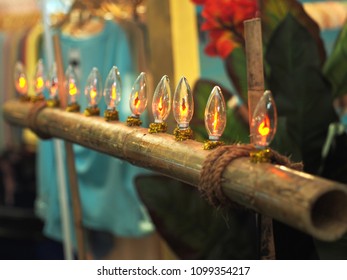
263, 122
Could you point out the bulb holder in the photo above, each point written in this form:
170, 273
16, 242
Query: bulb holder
212, 144
157, 127
73, 108
182, 134
260, 155
37, 97
111, 115
92, 111
134, 121
53, 103
24, 98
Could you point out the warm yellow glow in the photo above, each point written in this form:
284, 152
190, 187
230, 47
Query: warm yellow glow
72, 88
184, 108
215, 121
137, 101
53, 89
39, 82
264, 127
113, 93
93, 93
22, 82
160, 105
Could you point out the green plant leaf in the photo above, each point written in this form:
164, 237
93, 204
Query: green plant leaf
236, 67
236, 130
273, 12
302, 94
335, 67
191, 227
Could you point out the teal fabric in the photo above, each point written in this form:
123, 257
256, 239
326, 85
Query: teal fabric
109, 200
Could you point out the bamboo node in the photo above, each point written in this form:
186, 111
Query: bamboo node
111, 115
210, 145
73, 107
92, 111
157, 127
183, 134
134, 121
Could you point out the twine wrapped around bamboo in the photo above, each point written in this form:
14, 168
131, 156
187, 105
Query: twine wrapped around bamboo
314, 205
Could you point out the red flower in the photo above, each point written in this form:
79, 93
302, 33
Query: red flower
224, 23
199, 2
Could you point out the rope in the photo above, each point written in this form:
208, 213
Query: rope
216, 162
32, 119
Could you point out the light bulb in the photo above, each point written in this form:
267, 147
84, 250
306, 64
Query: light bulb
93, 89
52, 82
215, 114
39, 78
183, 104
264, 121
20, 79
161, 104
113, 89
71, 86
138, 96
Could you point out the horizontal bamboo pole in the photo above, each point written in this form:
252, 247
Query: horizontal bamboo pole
314, 205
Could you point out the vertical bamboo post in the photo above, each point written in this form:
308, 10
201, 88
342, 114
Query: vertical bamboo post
255, 81
255, 69
70, 158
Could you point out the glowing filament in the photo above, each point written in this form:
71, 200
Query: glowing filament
114, 93
72, 88
215, 121
264, 127
264, 121
138, 96
39, 83
22, 82
215, 114
160, 105
137, 101
93, 93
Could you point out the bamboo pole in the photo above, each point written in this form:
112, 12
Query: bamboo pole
255, 68
314, 205
255, 82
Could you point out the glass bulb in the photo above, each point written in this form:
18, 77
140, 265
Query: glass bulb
39, 79
264, 121
113, 88
52, 82
138, 96
161, 104
215, 114
93, 89
20, 79
183, 103
71, 86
